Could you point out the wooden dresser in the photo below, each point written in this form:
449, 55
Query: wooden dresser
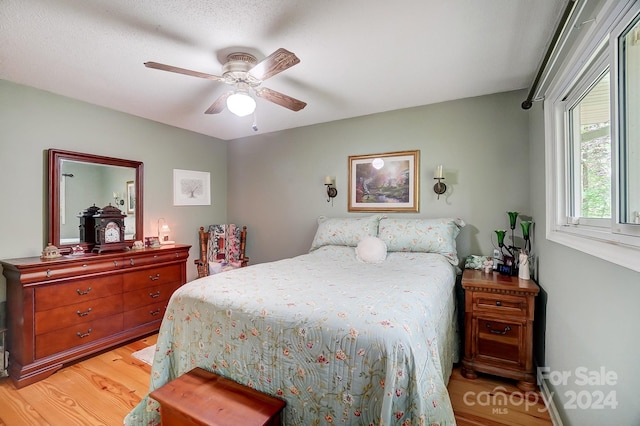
499, 314
64, 309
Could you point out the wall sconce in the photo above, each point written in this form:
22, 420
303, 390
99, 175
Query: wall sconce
439, 188
329, 181
164, 231
117, 198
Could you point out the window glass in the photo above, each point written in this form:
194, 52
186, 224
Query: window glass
629, 48
591, 152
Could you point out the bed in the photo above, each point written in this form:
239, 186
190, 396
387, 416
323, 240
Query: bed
350, 333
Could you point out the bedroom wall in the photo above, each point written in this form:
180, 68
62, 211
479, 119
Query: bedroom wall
31, 121
591, 314
276, 180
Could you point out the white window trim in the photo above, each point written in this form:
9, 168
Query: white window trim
605, 243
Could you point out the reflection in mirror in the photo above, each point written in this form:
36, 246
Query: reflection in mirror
83, 185
78, 181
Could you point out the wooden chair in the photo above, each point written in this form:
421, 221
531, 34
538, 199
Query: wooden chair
224, 244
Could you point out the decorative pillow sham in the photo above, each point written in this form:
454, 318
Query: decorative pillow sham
422, 235
371, 250
344, 231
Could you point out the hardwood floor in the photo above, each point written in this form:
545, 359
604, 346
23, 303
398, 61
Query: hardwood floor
101, 390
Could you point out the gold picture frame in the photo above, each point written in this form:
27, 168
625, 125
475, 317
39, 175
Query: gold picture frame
385, 182
131, 197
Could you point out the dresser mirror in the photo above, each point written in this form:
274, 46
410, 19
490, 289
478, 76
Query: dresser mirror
79, 181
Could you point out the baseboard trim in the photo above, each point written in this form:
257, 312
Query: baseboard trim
547, 397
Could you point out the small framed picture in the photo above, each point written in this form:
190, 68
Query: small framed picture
131, 197
151, 242
191, 188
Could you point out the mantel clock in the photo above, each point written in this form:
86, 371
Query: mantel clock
109, 229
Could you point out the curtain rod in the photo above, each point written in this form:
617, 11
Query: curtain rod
528, 103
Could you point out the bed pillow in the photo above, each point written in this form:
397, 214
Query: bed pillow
371, 250
422, 235
344, 231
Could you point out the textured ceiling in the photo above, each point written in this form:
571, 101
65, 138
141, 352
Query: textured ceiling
358, 57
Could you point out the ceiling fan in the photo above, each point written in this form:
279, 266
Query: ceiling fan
245, 74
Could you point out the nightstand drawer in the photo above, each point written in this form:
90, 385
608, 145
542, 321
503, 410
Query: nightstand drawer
502, 304
499, 339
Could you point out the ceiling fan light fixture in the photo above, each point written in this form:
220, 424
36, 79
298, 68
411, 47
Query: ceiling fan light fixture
241, 103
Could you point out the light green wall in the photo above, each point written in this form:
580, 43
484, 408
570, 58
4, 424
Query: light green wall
493, 156
592, 313
276, 181
32, 121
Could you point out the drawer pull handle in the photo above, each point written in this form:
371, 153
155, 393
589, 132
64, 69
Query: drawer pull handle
154, 295
84, 265
154, 313
132, 262
82, 293
155, 256
83, 314
498, 303
154, 278
83, 335
506, 329
115, 263
48, 273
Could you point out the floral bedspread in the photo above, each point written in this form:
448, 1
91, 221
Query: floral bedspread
343, 342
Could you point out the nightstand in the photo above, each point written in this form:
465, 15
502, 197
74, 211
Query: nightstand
498, 319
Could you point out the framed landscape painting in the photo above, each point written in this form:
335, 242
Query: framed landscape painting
384, 182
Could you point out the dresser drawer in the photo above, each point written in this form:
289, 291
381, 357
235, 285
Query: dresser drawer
151, 259
501, 304
73, 269
148, 295
66, 316
152, 277
54, 296
76, 335
145, 314
499, 339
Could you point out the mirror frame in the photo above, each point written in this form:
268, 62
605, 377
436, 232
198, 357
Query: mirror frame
56, 156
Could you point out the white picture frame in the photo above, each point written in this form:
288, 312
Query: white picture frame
191, 188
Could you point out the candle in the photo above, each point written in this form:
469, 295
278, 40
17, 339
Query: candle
328, 180
439, 172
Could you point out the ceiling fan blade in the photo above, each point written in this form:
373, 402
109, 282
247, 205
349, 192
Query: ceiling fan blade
219, 105
273, 64
280, 99
171, 68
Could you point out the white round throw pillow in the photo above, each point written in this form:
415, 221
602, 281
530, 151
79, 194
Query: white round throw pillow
371, 250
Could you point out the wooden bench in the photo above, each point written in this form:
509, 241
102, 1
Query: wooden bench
200, 397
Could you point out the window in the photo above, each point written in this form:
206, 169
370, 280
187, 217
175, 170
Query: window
590, 144
592, 119
629, 51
